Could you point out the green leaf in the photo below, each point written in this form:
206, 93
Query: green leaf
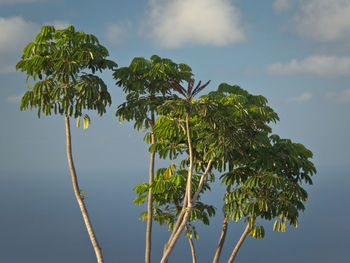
78, 122
86, 121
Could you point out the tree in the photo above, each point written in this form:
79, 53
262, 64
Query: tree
145, 83
56, 61
238, 125
175, 123
268, 187
229, 131
264, 171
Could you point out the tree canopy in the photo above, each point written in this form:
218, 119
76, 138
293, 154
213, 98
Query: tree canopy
56, 61
230, 129
224, 135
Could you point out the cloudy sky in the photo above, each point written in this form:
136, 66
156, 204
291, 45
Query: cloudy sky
296, 53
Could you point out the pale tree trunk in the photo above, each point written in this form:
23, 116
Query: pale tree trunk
78, 196
187, 198
239, 244
185, 213
150, 201
221, 240
175, 236
223, 234
178, 221
193, 251
190, 168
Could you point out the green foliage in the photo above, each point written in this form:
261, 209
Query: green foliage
86, 121
231, 127
57, 60
168, 191
225, 125
145, 83
268, 184
191, 232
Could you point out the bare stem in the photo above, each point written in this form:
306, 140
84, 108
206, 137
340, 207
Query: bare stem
176, 234
190, 168
223, 234
78, 196
150, 201
239, 244
193, 251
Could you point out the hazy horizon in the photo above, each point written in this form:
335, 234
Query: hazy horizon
43, 223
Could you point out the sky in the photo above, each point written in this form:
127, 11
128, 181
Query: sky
296, 53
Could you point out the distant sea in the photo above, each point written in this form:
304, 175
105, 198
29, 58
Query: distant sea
40, 222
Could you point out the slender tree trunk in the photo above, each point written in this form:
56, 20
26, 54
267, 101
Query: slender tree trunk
78, 196
223, 234
190, 168
193, 251
172, 241
221, 240
187, 198
239, 244
150, 201
178, 221
185, 214
182, 220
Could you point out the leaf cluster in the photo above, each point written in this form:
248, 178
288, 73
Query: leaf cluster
145, 83
268, 186
231, 127
168, 191
225, 125
56, 61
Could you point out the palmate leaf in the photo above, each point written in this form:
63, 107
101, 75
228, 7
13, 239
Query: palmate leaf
267, 184
168, 193
59, 59
145, 83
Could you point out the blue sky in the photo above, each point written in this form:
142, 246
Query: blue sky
296, 53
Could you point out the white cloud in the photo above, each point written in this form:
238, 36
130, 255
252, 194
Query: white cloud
304, 97
15, 98
174, 23
15, 33
343, 96
117, 33
319, 65
281, 5
324, 20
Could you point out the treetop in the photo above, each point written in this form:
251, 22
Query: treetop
56, 61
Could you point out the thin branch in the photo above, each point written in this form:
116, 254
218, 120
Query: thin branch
175, 235
223, 233
239, 244
193, 251
201, 183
